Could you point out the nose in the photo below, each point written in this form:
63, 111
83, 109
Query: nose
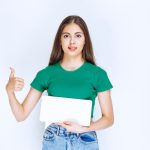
72, 40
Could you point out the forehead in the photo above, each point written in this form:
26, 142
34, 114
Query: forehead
72, 28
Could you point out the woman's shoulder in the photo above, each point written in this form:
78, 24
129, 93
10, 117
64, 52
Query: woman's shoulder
96, 68
47, 69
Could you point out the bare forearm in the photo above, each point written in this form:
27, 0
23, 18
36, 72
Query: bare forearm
101, 123
16, 107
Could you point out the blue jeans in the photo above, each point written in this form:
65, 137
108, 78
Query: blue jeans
58, 138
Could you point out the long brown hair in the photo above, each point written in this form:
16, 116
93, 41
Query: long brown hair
87, 52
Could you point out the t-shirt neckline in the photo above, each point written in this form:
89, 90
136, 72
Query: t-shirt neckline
71, 71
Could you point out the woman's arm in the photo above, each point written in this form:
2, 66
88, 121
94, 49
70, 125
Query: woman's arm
21, 111
105, 121
107, 118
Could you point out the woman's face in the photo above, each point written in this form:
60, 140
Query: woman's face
72, 40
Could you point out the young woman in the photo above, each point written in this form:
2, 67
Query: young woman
72, 72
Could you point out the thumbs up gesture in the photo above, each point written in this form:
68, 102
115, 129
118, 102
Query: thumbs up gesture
14, 83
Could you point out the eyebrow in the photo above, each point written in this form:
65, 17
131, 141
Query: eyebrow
69, 33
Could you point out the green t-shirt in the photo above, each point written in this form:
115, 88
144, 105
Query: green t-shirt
82, 83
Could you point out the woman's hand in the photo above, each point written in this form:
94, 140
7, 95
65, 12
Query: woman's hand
14, 83
72, 126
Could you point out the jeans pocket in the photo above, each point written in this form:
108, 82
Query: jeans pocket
88, 137
48, 135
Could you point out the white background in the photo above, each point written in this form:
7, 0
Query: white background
120, 31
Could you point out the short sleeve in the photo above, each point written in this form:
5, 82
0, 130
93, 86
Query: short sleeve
40, 81
102, 81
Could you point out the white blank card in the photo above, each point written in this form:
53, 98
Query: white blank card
58, 109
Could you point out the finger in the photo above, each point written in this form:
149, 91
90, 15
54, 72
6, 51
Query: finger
19, 79
67, 122
58, 123
61, 124
18, 89
64, 125
19, 86
19, 82
12, 73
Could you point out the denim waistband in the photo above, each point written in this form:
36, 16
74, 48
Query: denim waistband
60, 131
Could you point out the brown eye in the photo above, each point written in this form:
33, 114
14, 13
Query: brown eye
65, 36
78, 35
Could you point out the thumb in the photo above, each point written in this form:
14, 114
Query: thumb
12, 73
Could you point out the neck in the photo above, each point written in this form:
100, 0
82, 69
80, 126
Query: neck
72, 62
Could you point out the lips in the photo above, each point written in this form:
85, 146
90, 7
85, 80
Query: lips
72, 48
